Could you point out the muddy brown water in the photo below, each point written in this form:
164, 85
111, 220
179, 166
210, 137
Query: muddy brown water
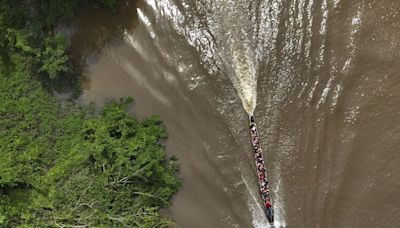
328, 102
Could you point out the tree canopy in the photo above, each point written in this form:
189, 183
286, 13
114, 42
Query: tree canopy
70, 166
62, 164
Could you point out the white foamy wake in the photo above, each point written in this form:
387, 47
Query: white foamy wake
243, 77
224, 39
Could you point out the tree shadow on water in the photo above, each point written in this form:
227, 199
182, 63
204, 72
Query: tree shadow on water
91, 31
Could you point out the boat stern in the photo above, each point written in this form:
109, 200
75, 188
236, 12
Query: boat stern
251, 120
269, 212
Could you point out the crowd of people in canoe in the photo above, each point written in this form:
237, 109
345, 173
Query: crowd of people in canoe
264, 190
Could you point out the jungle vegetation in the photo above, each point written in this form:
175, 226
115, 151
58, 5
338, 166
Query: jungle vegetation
61, 164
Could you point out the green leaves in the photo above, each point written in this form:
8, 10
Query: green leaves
21, 40
27, 52
65, 165
68, 166
51, 11
54, 58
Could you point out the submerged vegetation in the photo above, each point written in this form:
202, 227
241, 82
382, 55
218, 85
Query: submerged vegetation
62, 165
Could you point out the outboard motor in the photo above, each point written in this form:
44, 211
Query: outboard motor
269, 212
252, 121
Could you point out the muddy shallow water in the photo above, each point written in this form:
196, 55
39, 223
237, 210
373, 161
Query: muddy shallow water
327, 89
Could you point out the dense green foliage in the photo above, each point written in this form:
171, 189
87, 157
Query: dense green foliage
27, 34
62, 165
69, 166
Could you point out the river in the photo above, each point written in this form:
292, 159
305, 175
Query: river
320, 76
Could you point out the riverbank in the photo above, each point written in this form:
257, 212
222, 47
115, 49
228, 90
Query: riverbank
62, 164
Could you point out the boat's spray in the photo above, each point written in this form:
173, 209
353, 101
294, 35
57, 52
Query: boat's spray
244, 78
261, 217
228, 44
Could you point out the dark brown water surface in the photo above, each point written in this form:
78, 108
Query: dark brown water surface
325, 78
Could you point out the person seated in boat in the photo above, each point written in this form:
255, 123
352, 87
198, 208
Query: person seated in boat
263, 184
260, 167
264, 190
253, 130
256, 140
268, 203
264, 195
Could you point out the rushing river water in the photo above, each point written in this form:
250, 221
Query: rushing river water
322, 77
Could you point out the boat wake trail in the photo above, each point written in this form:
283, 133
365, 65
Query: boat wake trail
241, 67
224, 36
243, 72
239, 58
